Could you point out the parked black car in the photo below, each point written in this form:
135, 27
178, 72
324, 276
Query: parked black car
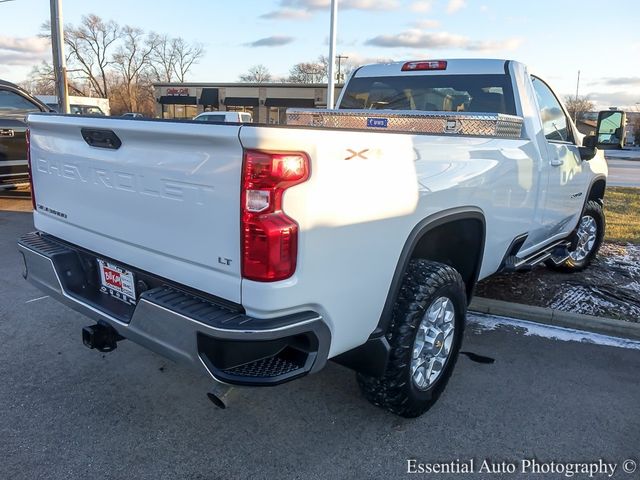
15, 104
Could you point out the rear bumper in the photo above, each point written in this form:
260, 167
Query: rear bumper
185, 326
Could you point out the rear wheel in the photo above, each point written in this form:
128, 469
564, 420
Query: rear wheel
589, 238
425, 336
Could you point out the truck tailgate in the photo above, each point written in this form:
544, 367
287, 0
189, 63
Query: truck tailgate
166, 201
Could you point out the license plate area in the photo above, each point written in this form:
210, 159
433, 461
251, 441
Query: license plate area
117, 282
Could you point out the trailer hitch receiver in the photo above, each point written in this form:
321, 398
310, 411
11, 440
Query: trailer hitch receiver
101, 336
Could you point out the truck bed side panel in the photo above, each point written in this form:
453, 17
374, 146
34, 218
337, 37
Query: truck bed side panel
366, 193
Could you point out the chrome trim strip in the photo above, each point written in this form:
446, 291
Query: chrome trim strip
13, 163
218, 329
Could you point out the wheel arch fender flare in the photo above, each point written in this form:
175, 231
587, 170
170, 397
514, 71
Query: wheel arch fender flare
597, 186
371, 357
417, 233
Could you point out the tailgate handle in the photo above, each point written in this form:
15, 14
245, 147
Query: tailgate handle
7, 132
97, 137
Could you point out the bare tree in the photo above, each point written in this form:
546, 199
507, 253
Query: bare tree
131, 60
89, 48
186, 55
577, 106
163, 57
172, 58
308, 72
41, 80
119, 63
257, 74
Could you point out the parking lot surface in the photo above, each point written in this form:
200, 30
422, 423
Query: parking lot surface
623, 172
71, 413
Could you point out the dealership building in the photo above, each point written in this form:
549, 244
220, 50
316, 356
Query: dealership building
267, 102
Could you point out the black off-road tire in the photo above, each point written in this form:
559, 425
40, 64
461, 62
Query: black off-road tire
592, 209
395, 391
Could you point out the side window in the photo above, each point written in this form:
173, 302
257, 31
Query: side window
554, 121
12, 103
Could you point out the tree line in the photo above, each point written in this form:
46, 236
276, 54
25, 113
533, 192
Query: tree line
121, 63
304, 72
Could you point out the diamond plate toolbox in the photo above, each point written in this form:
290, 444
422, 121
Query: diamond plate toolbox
496, 125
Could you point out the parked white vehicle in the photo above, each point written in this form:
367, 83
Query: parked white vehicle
224, 117
256, 253
80, 105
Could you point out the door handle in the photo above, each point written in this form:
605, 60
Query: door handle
97, 137
7, 132
556, 162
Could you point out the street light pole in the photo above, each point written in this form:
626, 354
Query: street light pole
59, 63
332, 54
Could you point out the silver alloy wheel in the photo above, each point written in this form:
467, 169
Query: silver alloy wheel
586, 238
433, 343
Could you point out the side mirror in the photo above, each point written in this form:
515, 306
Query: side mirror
589, 147
590, 141
610, 129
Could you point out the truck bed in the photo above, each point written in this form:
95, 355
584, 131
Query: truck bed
167, 202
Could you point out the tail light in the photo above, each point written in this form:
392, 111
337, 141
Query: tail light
269, 236
27, 136
424, 65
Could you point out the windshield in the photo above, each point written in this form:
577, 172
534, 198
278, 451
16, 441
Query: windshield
439, 93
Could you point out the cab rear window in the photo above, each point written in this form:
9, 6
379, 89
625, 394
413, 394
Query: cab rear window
438, 93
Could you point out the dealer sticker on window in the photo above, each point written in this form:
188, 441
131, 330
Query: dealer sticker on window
117, 282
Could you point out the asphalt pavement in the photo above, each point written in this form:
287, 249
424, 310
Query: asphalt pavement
624, 168
72, 413
623, 173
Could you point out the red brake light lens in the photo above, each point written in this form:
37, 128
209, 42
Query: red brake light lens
424, 65
269, 236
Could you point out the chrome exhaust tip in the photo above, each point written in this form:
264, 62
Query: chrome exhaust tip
219, 395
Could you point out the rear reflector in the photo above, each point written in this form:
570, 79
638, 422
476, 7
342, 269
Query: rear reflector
424, 65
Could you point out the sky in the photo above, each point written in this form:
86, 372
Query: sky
555, 38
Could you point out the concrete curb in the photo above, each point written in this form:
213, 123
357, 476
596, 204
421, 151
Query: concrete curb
549, 316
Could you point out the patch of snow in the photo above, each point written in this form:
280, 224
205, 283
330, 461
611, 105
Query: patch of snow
580, 300
611, 286
483, 322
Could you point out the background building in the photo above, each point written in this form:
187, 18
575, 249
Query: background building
267, 102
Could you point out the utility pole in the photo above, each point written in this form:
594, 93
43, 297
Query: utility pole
340, 58
332, 54
59, 63
575, 113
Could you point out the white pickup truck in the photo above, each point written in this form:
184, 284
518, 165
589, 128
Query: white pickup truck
256, 253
